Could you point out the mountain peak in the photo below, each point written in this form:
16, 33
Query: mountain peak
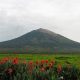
40, 40
42, 30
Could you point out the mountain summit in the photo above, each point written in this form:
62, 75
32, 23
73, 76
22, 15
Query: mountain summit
45, 31
40, 40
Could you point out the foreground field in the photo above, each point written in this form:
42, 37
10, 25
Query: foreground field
39, 67
73, 59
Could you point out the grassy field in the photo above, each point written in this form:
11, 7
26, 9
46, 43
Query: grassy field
59, 58
39, 67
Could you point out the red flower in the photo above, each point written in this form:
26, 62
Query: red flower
53, 62
10, 70
42, 61
30, 62
5, 59
15, 61
59, 69
50, 65
37, 62
46, 61
42, 69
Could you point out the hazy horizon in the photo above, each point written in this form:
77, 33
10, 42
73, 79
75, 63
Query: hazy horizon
18, 17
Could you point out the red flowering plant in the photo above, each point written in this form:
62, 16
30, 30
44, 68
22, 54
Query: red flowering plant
15, 60
18, 69
4, 60
59, 68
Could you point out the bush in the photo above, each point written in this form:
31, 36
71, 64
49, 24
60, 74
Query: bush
14, 69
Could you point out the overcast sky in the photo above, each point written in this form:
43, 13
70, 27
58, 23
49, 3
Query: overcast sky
18, 17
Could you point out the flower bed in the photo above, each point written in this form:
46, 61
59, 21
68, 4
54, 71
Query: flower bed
16, 69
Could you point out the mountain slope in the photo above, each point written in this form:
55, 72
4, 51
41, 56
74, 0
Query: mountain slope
41, 40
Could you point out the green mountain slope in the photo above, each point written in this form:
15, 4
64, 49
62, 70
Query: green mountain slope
40, 40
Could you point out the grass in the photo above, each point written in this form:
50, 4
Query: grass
59, 58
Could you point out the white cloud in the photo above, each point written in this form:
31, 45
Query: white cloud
20, 16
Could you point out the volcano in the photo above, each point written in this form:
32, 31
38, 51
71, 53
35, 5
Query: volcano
38, 41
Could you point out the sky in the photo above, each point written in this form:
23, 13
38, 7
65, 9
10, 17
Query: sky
18, 17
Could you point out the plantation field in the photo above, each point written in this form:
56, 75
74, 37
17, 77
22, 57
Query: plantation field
73, 59
39, 67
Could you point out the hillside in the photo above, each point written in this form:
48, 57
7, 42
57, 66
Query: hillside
40, 40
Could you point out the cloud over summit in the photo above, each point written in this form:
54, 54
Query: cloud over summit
21, 16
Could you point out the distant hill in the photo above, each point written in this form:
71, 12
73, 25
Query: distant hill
40, 40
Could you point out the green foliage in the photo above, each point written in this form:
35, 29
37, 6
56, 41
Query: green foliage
70, 67
40, 71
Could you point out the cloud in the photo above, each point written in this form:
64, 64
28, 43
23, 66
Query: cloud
18, 17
